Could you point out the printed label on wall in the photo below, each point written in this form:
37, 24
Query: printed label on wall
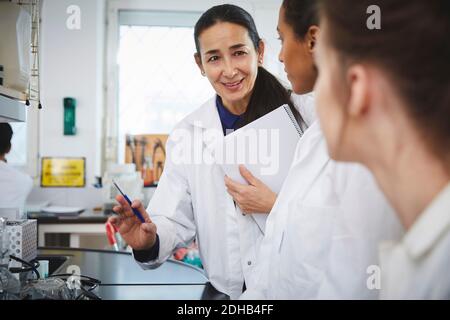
63, 172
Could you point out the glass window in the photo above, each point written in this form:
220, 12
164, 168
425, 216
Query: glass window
18, 154
159, 81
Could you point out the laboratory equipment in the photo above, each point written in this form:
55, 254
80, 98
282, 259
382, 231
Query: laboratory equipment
17, 240
22, 236
15, 53
4, 243
127, 177
111, 235
43, 268
48, 289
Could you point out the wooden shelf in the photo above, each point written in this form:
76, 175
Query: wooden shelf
10, 93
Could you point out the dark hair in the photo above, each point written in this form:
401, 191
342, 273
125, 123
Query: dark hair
268, 93
5, 137
300, 15
413, 49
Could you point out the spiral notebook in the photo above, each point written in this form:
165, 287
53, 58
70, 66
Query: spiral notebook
266, 147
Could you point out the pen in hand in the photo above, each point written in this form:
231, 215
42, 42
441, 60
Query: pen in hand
135, 211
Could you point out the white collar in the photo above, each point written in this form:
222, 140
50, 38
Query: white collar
206, 117
430, 226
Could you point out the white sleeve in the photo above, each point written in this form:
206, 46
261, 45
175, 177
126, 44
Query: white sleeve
171, 209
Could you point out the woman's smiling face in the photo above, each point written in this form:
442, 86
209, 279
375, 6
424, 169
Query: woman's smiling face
230, 61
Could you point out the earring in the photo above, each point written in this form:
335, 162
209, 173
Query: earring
203, 73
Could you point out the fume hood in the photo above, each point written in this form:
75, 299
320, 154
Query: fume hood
19, 61
12, 110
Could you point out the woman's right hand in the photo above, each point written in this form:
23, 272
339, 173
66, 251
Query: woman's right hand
139, 236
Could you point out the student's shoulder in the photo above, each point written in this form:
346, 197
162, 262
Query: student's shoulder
305, 104
8, 171
354, 176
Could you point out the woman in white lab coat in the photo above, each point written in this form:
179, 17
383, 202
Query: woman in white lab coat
191, 199
14, 185
322, 234
388, 107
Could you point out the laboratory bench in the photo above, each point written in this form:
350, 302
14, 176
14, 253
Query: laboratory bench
72, 229
89, 222
123, 279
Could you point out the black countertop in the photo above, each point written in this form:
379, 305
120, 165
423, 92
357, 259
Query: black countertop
122, 278
87, 216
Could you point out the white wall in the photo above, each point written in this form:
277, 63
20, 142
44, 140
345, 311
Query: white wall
72, 66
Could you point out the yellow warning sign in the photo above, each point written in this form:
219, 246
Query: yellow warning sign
63, 172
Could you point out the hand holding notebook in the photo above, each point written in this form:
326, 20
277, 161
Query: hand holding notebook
265, 147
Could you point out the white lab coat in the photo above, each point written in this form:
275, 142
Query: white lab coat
417, 266
191, 201
323, 232
15, 187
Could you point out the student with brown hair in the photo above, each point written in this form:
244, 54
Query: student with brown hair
383, 98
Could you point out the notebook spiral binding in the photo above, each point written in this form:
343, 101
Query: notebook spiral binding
294, 121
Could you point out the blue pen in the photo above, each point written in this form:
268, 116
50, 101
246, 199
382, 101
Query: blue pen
135, 211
